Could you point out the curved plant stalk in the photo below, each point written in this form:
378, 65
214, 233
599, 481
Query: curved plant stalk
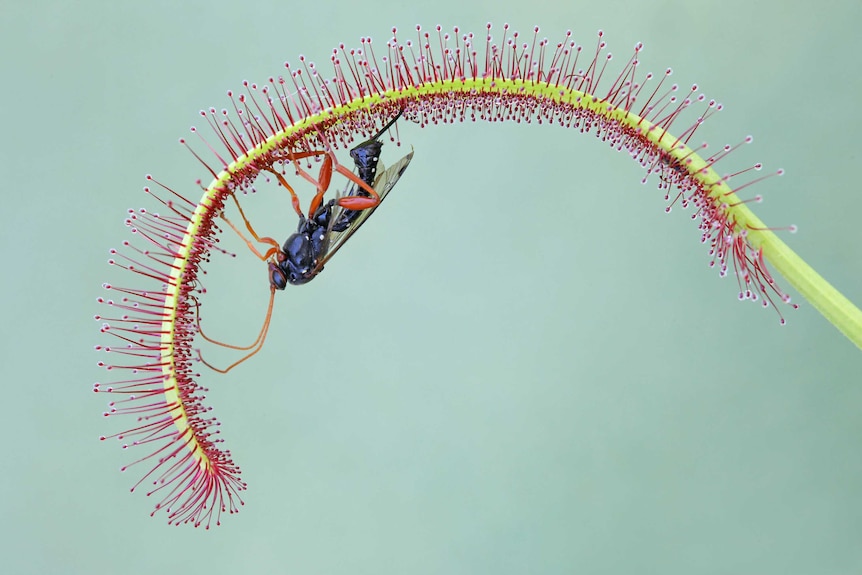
438, 80
836, 308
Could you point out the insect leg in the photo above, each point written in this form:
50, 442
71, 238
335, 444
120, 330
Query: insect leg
322, 184
293, 197
255, 346
274, 246
357, 202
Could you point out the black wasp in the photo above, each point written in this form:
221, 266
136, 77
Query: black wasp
331, 224
327, 226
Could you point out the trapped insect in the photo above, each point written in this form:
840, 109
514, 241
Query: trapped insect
324, 228
330, 225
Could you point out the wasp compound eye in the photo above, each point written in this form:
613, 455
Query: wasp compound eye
277, 278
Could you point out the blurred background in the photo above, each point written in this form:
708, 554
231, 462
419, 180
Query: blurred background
522, 364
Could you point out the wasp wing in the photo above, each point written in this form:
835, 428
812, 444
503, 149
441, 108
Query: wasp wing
383, 184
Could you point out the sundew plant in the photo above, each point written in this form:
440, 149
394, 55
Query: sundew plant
279, 128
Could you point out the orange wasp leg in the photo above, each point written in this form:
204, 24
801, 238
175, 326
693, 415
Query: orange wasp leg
324, 176
350, 202
274, 245
255, 346
294, 199
357, 202
321, 184
268, 241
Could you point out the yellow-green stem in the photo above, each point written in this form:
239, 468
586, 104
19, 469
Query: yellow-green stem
830, 302
826, 299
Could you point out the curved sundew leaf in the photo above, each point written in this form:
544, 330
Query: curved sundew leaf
441, 78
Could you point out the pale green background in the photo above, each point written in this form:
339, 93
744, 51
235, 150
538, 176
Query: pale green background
523, 365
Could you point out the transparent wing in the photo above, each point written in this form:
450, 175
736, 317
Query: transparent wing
383, 184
